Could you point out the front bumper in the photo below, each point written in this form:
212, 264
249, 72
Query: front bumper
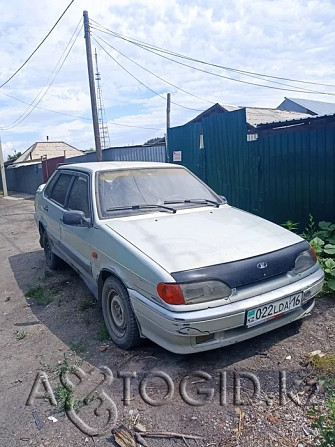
186, 332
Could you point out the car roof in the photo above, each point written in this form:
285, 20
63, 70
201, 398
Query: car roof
115, 165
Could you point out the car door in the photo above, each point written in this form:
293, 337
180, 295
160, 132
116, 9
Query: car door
75, 240
53, 206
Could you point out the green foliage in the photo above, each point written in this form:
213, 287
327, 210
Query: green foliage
87, 304
15, 156
103, 333
21, 335
63, 367
155, 140
324, 363
324, 421
326, 232
310, 229
64, 398
41, 295
292, 226
326, 257
322, 239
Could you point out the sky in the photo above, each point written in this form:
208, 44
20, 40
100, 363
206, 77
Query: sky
283, 38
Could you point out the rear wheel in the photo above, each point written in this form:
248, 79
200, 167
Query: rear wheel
52, 260
118, 314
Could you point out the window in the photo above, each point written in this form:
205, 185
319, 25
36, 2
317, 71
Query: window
149, 186
78, 198
59, 191
50, 184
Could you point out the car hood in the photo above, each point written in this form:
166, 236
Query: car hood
202, 237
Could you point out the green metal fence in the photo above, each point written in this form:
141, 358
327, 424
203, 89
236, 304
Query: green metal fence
283, 176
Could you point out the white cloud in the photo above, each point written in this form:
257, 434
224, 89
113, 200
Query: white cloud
278, 37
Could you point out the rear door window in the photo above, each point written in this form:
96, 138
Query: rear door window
59, 191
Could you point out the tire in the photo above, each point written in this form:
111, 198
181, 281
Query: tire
52, 260
118, 314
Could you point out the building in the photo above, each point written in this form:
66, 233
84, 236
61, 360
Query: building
255, 116
37, 164
47, 150
307, 106
275, 163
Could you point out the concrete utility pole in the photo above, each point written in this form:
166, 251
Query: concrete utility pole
168, 109
3, 173
92, 87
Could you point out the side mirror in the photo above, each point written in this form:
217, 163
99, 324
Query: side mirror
224, 199
76, 218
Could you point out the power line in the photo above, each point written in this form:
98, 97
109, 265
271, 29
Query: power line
38, 46
78, 117
138, 127
140, 82
38, 98
153, 74
149, 47
46, 110
298, 90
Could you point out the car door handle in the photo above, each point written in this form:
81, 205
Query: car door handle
46, 208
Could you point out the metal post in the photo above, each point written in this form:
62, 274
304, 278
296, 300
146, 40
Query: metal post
3, 173
168, 108
92, 87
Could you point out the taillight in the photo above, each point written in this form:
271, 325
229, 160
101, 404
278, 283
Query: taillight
170, 293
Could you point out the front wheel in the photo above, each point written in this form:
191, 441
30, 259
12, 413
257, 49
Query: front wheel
118, 314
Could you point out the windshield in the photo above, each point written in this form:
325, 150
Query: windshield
129, 191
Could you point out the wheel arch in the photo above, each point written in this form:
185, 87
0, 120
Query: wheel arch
42, 230
103, 275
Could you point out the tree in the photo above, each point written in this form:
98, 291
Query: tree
14, 157
155, 140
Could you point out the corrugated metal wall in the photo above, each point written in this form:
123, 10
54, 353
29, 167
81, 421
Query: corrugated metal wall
279, 177
187, 139
28, 178
24, 178
131, 153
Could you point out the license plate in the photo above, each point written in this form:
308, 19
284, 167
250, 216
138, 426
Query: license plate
273, 310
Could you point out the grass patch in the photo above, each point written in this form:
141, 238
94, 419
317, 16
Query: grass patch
41, 295
64, 398
21, 335
324, 420
65, 366
325, 363
86, 304
103, 333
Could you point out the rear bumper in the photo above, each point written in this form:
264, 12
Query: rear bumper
186, 332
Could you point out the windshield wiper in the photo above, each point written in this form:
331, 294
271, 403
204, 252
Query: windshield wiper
142, 207
200, 201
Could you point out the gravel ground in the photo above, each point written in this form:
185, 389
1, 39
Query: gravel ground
60, 328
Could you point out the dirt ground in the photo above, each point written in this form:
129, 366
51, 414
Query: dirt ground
59, 328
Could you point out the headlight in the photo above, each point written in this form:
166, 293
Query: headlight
200, 292
192, 293
305, 260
